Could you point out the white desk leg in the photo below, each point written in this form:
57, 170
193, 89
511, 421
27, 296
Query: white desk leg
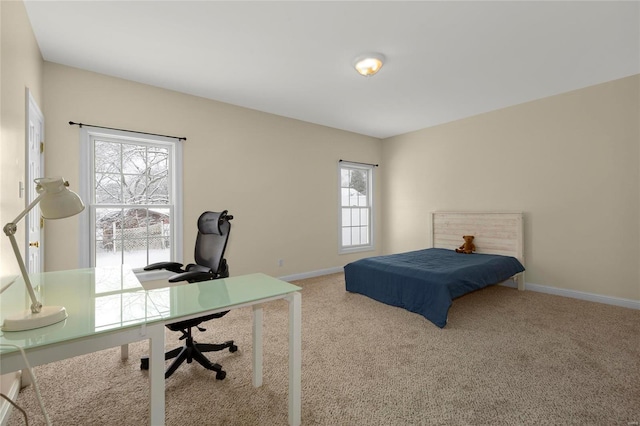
156, 374
295, 358
124, 352
257, 345
25, 379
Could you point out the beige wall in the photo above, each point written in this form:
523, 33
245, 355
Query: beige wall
21, 68
277, 176
569, 162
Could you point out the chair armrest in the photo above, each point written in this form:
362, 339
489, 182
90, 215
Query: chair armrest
192, 276
169, 266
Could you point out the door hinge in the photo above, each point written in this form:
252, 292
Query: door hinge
41, 147
41, 222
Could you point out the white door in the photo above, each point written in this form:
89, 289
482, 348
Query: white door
35, 169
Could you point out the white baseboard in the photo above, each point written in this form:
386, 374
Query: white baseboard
312, 274
575, 294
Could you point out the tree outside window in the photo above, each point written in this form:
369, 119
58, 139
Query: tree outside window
132, 201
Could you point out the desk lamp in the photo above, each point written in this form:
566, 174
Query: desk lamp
56, 202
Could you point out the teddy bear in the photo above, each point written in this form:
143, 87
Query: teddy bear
468, 247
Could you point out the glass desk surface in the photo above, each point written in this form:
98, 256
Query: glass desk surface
97, 301
103, 299
182, 299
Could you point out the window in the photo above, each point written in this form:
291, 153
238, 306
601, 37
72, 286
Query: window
130, 190
356, 211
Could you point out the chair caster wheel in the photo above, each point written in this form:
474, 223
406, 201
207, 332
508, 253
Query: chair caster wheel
233, 348
220, 375
144, 364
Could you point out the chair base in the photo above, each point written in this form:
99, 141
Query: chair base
193, 351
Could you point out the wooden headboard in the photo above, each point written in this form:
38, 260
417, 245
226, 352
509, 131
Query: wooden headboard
495, 232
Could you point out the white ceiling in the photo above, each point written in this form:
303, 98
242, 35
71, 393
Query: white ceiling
445, 60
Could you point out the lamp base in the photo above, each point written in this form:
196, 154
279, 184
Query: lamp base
27, 320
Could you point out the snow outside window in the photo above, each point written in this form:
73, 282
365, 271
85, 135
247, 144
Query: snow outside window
131, 191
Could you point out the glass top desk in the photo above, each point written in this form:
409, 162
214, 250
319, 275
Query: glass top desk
108, 307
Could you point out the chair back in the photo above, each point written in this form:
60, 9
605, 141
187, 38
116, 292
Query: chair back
211, 242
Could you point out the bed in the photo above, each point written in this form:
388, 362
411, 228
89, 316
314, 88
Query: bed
427, 281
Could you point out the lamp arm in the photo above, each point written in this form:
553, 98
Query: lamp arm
25, 211
10, 230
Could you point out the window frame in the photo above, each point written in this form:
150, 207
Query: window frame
342, 249
87, 234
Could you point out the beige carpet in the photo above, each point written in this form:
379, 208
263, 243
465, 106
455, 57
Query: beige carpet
506, 358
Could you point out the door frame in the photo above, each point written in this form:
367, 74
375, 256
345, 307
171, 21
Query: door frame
32, 111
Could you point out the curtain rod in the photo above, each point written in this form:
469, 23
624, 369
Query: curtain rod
71, 123
355, 162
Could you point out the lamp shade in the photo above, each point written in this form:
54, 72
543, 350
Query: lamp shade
57, 200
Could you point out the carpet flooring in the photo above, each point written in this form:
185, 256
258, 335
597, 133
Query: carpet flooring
505, 358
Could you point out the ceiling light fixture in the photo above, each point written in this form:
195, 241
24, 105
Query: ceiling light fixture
368, 64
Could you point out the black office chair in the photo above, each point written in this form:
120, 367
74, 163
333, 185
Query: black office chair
211, 242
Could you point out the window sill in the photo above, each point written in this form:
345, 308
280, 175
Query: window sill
356, 250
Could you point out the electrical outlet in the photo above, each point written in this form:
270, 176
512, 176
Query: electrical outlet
280, 262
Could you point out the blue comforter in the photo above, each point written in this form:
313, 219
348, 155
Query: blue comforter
427, 281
